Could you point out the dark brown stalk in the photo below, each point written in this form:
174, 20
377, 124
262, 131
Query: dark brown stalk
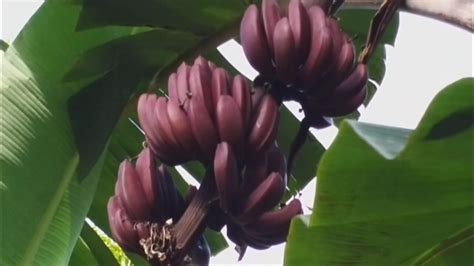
378, 26
193, 222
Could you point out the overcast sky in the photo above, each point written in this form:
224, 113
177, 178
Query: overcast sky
427, 56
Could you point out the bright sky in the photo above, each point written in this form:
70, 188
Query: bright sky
427, 56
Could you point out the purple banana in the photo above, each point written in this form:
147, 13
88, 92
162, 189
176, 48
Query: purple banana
254, 43
227, 176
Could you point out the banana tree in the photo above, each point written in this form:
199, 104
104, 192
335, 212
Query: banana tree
104, 103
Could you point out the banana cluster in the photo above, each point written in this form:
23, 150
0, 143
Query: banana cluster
303, 54
205, 107
247, 198
230, 128
145, 200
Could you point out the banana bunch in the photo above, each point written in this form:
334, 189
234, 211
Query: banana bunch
247, 198
144, 202
304, 56
205, 107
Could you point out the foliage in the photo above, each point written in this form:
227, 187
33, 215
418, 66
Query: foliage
393, 196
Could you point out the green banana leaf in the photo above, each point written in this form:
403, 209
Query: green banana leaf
126, 62
100, 253
391, 196
82, 255
43, 202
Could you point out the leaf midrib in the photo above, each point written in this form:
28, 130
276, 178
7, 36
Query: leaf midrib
45, 221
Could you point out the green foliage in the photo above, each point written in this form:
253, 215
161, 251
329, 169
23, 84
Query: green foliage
45, 202
97, 252
389, 196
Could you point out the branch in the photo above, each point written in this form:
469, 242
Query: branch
456, 12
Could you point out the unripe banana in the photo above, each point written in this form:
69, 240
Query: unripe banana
343, 67
264, 127
242, 96
120, 226
203, 128
345, 107
145, 167
220, 84
126, 231
181, 127
277, 162
320, 48
276, 232
201, 61
352, 84
263, 198
300, 27
200, 85
284, 52
255, 243
254, 43
273, 222
182, 84
212, 66
267, 240
230, 124
153, 134
172, 88
257, 95
113, 206
271, 16
337, 38
145, 117
346, 58
255, 172
226, 176
165, 130
131, 194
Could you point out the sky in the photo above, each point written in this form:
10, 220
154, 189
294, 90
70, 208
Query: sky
427, 56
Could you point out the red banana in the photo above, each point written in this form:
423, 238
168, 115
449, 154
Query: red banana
227, 176
254, 43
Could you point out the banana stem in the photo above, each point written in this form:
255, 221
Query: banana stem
193, 222
298, 143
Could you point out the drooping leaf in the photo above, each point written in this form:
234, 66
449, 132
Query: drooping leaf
386, 196
127, 61
82, 255
45, 202
202, 17
100, 251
